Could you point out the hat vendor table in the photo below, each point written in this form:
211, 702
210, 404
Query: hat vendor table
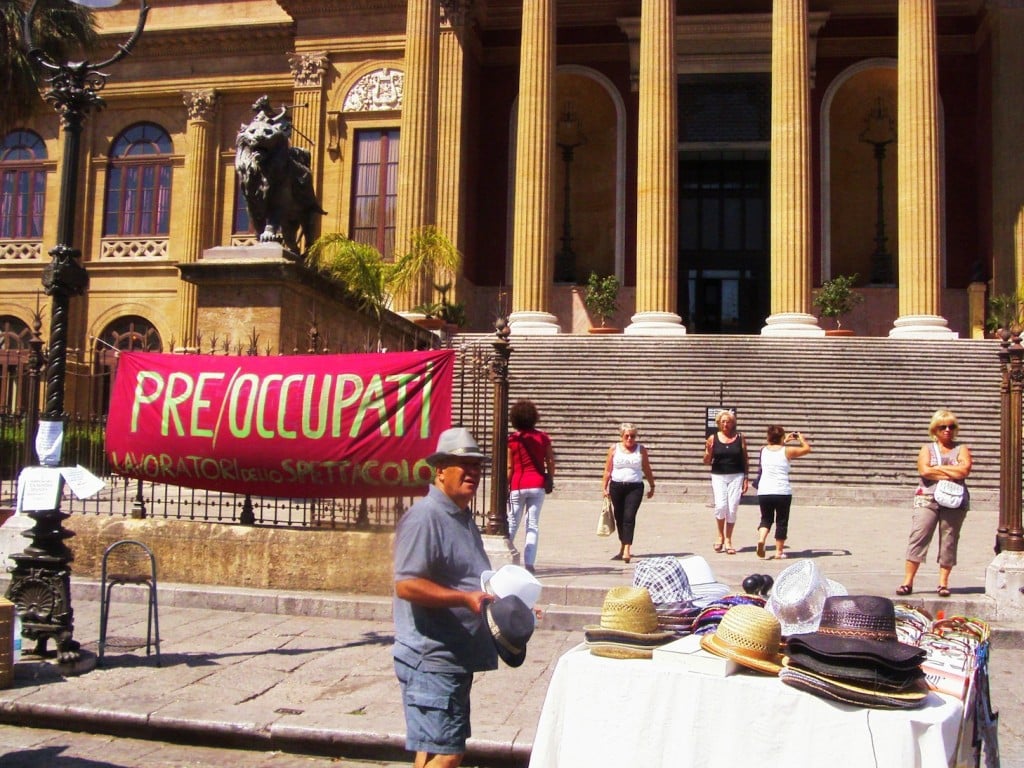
601, 711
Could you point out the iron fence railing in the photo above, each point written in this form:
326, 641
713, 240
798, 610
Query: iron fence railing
472, 407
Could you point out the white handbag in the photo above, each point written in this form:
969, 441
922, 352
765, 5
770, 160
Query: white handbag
606, 520
948, 494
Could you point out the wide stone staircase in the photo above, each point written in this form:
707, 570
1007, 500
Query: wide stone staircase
863, 403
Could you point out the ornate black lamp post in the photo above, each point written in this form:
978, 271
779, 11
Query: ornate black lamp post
568, 136
40, 583
497, 518
879, 131
1009, 534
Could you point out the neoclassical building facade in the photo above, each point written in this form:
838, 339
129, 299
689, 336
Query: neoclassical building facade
722, 158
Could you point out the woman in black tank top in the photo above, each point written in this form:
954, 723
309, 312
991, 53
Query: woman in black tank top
726, 453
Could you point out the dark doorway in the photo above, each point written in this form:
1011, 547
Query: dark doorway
724, 264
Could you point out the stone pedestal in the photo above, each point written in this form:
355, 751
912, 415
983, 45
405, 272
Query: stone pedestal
261, 293
12, 538
1004, 581
500, 551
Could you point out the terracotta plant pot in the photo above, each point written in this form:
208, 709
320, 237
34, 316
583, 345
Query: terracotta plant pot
838, 332
430, 323
604, 329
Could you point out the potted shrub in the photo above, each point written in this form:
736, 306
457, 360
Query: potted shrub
835, 298
601, 300
1006, 312
364, 271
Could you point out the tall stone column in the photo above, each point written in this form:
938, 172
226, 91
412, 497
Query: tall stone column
790, 195
451, 145
917, 173
1006, 22
533, 251
308, 70
199, 171
657, 248
417, 159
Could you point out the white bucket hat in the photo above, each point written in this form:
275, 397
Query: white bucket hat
702, 579
798, 597
512, 580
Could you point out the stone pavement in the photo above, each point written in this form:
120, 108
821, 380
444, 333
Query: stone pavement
311, 672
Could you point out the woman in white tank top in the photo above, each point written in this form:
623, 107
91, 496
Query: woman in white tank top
774, 492
625, 469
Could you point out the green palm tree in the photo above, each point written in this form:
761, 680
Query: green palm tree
61, 28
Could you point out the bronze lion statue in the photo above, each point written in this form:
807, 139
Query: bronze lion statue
276, 180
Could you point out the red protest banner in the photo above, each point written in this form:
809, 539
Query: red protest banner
304, 426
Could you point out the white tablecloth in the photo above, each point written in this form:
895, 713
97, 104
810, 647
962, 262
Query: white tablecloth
614, 712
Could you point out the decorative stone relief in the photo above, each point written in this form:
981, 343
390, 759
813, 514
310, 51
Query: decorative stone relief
377, 91
308, 69
201, 104
454, 12
21, 250
133, 249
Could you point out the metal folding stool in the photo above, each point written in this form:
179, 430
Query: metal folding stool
129, 562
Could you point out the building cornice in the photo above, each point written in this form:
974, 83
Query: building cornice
247, 40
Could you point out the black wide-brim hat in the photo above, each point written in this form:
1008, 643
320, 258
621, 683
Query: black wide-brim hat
859, 626
511, 623
859, 671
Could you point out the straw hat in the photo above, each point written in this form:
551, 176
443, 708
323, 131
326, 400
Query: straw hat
847, 692
748, 635
629, 626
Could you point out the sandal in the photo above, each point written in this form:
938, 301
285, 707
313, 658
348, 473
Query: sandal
730, 551
760, 549
781, 556
904, 589
942, 591
719, 546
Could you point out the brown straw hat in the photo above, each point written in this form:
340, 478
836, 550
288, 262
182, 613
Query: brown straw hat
629, 626
748, 635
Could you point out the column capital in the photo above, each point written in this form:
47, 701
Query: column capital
308, 69
454, 13
201, 103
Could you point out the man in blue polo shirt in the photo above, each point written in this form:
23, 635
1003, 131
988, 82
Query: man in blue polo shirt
441, 636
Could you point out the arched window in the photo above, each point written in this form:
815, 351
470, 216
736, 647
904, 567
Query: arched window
22, 186
129, 333
14, 338
138, 199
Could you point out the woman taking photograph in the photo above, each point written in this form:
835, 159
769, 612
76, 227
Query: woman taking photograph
726, 452
774, 492
624, 471
530, 458
943, 459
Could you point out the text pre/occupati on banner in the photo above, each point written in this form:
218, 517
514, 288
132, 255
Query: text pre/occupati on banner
299, 426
